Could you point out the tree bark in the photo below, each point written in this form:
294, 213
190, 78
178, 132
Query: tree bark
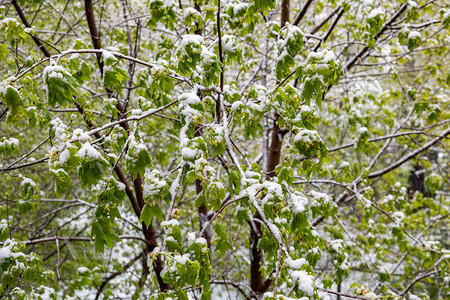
257, 284
302, 12
93, 31
136, 201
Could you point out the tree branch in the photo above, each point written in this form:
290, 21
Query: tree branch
273, 159
365, 49
409, 156
315, 29
74, 239
88, 7
25, 22
221, 79
342, 294
117, 273
302, 13
327, 35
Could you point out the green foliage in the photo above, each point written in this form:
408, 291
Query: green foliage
301, 150
16, 265
92, 167
3, 51
215, 193
103, 234
189, 53
15, 32
138, 158
264, 5
149, 212
11, 97
193, 20
62, 180
161, 12
216, 140
320, 71
109, 199
309, 143
81, 71
114, 78
446, 21
284, 65
8, 146
23, 2
292, 43
61, 87
221, 240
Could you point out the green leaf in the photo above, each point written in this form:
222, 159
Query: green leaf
235, 182
137, 165
216, 140
300, 222
384, 277
25, 206
173, 246
446, 21
12, 98
91, 171
221, 231
60, 88
108, 58
103, 234
182, 295
23, 2
200, 200
62, 180
146, 215
162, 12
284, 66
264, 5
113, 193
3, 52
414, 40
319, 95
309, 144
148, 212
222, 246
8, 146
242, 215
307, 93
310, 118
215, 193
114, 78
83, 72
14, 31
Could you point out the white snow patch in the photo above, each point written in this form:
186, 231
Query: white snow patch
299, 203
88, 152
305, 281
